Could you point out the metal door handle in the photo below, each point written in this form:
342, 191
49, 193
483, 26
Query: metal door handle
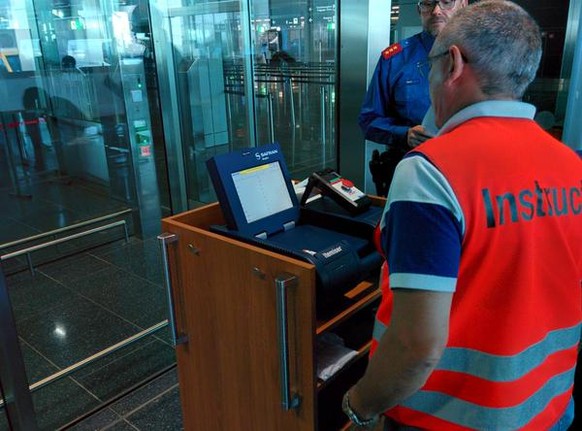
165, 239
289, 400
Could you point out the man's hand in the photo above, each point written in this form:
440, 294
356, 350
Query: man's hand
417, 135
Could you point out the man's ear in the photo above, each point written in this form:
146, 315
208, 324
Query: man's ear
456, 63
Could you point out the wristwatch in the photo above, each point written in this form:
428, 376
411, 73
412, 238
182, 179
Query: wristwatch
354, 416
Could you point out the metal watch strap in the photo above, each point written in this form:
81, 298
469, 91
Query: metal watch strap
353, 415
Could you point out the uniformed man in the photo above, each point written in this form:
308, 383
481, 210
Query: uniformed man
397, 97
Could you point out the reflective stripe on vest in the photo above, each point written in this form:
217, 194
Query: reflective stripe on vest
495, 368
508, 368
482, 418
499, 368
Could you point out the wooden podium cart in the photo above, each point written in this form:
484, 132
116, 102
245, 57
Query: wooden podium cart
245, 327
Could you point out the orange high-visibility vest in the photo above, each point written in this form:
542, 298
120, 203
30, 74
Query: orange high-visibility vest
516, 312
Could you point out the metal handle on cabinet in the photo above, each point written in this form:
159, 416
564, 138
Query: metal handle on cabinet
289, 401
165, 239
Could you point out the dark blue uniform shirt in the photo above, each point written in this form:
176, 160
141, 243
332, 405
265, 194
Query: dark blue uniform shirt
398, 95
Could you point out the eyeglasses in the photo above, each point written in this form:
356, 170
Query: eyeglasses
425, 66
428, 6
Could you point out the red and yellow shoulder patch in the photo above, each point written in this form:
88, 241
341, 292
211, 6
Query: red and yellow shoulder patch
391, 51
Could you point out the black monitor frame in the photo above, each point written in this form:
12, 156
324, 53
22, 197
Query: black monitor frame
222, 168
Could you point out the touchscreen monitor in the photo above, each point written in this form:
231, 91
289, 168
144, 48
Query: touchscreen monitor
259, 191
254, 189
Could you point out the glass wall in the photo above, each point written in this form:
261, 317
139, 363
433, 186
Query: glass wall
247, 74
107, 106
77, 98
80, 140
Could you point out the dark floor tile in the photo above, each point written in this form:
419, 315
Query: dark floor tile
99, 421
125, 368
105, 249
122, 425
58, 328
49, 254
37, 367
73, 331
60, 402
98, 238
14, 265
70, 270
56, 187
141, 258
13, 230
33, 294
127, 295
54, 205
161, 414
17, 208
146, 393
79, 196
55, 251
71, 246
45, 219
165, 335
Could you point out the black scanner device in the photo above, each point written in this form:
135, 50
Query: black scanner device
347, 211
260, 207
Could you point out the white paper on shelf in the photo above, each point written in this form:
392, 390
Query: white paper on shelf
331, 355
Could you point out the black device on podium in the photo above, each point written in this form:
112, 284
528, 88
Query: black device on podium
340, 190
260, 206
329, 196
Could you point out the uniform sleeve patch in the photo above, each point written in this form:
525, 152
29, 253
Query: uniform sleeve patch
392, 50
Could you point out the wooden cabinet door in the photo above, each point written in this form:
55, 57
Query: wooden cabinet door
225, 299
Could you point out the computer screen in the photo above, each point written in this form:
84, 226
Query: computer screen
262, 191
254, 189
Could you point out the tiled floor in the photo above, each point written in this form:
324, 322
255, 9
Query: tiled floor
84, 297
155, 406
73, 308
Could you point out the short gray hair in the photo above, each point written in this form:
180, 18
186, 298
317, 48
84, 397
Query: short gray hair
500, 40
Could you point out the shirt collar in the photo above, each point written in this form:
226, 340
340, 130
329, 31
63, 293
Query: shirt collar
490, 108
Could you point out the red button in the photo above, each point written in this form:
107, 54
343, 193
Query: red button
347, 184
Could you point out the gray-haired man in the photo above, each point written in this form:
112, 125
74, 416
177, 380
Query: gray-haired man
482, 233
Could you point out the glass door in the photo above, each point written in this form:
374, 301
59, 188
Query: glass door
80, 141
203, 62
237, 74
295, 75
78, 92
